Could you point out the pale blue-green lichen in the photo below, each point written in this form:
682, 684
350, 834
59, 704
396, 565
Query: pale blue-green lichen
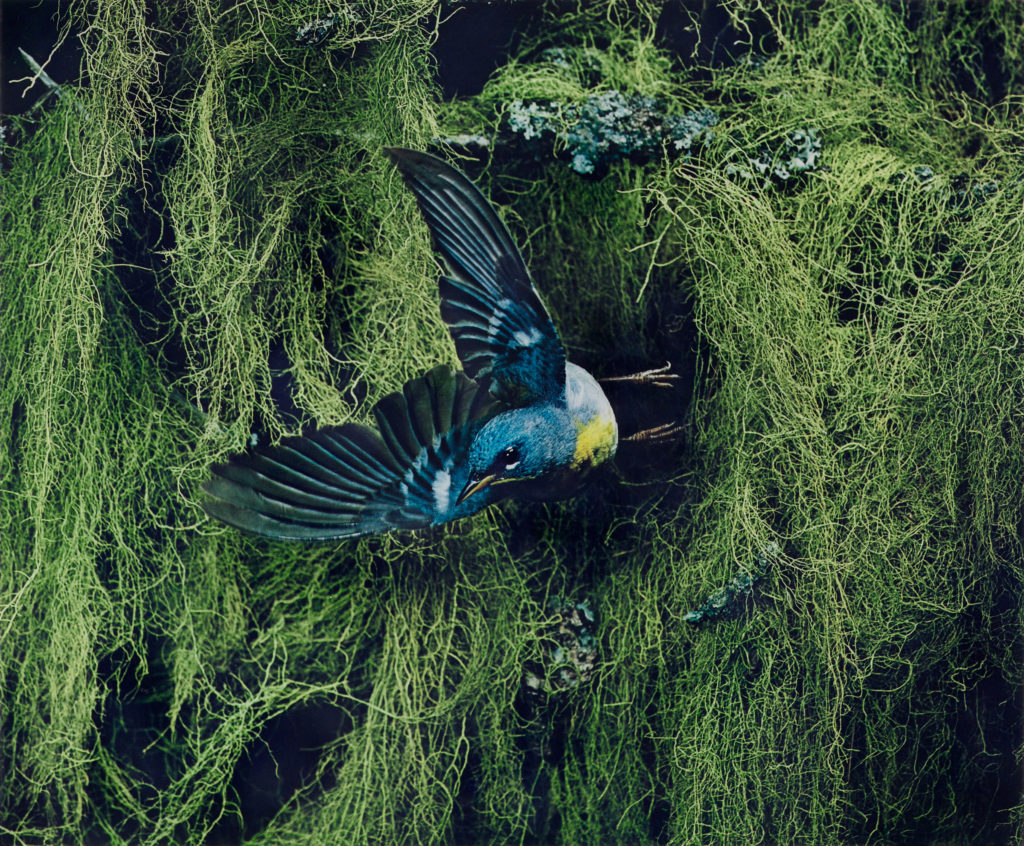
796, 153
608, 127
569, 650
730, 601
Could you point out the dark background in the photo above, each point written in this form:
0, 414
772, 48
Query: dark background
32, 26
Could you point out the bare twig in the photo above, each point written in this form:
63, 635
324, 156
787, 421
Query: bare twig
46, 79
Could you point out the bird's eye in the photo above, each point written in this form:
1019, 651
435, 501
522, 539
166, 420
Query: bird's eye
510, 457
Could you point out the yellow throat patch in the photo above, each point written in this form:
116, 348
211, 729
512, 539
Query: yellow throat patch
594, 442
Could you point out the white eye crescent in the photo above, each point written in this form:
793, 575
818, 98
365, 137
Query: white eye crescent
510, 457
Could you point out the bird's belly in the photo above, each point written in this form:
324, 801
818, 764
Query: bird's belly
597, 433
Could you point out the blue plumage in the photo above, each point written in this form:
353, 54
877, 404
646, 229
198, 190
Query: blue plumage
521, 420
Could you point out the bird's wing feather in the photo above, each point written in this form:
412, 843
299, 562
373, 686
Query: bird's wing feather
351, 480
503, 333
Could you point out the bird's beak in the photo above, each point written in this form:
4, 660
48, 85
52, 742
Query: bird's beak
474, 486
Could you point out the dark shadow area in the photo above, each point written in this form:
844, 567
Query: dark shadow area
282, 760
474, 40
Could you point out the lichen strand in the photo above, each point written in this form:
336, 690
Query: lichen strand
209, 220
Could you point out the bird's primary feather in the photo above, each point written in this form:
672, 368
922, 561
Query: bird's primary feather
351, 480
503, 333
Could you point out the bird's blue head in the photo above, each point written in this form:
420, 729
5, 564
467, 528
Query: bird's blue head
519, 445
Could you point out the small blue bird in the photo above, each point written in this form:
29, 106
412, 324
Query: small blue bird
520, 421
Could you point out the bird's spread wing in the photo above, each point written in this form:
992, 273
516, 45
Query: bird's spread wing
502, 331
352, 480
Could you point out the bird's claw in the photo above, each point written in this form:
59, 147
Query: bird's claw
664, 432
659, 377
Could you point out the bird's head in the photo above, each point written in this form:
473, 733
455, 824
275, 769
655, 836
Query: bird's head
516, 446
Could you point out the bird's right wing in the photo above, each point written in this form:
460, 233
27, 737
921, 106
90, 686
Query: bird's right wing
352, 480
502, 331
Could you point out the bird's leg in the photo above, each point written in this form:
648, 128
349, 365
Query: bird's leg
664, 432
660, 377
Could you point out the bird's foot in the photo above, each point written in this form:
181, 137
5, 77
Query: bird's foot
660, 377
657, 434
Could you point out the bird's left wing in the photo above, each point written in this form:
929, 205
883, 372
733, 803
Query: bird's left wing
503, 333
352, 480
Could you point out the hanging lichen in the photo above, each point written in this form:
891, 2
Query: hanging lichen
202, 241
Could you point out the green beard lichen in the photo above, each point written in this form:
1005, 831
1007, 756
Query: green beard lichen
211, 207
